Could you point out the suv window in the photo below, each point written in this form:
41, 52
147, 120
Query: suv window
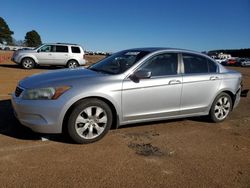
163, 64
46, 48
75, 49
194, 64
62, 49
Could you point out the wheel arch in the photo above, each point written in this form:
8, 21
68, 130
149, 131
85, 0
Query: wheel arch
31, 57
72, 59
108, 102
230, 93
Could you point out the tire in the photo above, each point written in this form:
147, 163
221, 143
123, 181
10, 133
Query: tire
72, 64
28, 63
89, 121
221, 107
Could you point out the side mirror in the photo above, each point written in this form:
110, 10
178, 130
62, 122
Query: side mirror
140, 74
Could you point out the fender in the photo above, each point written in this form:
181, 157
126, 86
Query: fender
28, 56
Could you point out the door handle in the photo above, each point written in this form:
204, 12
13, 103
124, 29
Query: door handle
214, 78
172, 82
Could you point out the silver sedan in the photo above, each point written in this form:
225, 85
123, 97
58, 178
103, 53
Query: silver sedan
136, 85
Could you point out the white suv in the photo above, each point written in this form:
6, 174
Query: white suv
69, 55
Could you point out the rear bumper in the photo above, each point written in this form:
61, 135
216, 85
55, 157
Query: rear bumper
237, 98
82, 62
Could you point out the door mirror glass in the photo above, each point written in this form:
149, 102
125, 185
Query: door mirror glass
142, 74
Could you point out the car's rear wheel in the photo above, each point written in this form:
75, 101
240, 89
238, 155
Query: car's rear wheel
72, 64
221, 107
89, 121
28, 63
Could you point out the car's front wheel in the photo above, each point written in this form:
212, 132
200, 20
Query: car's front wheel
221, 107
89, 121
28, 63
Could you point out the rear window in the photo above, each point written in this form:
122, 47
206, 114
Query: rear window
198, 64
212, 66
75, 49
62, 49
195, 64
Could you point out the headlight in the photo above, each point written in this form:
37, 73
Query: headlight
49, 93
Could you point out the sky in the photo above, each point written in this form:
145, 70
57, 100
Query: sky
113, 25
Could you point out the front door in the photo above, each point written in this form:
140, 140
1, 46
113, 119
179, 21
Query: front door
154, 97
45, 55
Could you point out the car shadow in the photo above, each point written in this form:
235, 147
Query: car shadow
10, 126
15, 66
201, 119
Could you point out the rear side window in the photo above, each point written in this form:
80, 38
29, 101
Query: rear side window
211, 66
195, 64
75, 49
62, 49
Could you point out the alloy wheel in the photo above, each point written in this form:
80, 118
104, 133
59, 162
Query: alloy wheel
222, 107
91, 122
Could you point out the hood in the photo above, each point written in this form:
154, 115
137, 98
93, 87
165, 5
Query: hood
57, 77
25, 51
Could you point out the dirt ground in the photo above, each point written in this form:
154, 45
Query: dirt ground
179, 153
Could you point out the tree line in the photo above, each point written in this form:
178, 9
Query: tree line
31, 39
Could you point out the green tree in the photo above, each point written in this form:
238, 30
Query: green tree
33, 39
5, 32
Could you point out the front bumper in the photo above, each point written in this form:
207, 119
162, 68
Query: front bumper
15, 60
41, 116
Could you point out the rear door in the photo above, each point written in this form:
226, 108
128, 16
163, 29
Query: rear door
201, 81
61, 54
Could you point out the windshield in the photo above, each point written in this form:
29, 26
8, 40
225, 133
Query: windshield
119, 62
37, 47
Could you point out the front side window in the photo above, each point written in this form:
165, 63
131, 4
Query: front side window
195, 64
46, 48
119, 62
162, 65
62, 49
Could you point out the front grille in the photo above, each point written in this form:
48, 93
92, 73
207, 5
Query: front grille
18, 91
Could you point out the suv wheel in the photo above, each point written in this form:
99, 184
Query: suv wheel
89, 121
221, 107
72, 64
28, 63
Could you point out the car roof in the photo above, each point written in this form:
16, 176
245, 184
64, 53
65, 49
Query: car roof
68, 44
155, 49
